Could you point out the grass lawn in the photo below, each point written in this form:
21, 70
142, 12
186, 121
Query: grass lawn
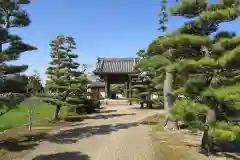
180, 145
19, 115
18, 141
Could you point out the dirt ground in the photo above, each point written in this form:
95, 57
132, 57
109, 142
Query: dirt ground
181, 144
117, 133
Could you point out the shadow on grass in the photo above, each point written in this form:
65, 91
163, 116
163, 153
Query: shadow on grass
74, 119
26, 142
228, 149
63, 156
222, 148
227, 155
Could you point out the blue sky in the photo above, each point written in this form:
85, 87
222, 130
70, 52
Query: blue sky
102, 28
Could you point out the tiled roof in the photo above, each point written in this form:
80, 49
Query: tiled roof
116, 65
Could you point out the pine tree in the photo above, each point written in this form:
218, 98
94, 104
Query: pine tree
34, 84
151, 67
206, 64
63, 75
151, 73
78, 101
11, 46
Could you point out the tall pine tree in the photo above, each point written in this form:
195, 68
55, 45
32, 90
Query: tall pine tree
11, 46
64, 79
209, 64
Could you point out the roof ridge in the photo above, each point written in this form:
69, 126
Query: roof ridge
116, 65
118, 58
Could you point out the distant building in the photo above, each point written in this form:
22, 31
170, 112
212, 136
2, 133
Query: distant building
116, 71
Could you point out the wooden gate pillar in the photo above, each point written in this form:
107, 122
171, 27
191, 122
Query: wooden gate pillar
107, 87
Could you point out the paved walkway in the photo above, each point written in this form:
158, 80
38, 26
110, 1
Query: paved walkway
114, 134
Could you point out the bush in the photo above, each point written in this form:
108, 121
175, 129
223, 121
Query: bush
85, 106
226, 131
190, 112
75, 118
91, 105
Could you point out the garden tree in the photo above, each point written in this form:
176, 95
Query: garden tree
64, 79
117, 89
205, 65
151, 69
163, 16
154, 67
217, 74
11, 46
34, 87
144, 89
140, 90
142, 54
34, 83
78, 100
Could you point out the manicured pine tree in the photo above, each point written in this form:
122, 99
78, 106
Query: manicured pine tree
152, 66
142, 90
204, 64
11, 46
34, 84
65, 82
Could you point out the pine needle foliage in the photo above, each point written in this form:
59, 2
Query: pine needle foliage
12, 15
66, 84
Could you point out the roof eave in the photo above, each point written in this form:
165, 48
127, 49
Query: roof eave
115, 73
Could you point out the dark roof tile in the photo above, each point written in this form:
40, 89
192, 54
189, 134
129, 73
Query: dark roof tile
116, 65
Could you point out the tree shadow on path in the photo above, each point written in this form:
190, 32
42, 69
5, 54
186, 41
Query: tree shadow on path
30, 141
24, 143
73, 135
63, 156
106, 111
107, 116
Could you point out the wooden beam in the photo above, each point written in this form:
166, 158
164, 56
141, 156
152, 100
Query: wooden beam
130, 86
107, 87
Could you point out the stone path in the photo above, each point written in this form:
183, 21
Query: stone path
114, 134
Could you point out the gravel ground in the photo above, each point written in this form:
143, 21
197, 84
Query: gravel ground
114, 134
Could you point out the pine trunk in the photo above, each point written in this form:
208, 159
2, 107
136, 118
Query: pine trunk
56, 114
168, 101
207, 140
